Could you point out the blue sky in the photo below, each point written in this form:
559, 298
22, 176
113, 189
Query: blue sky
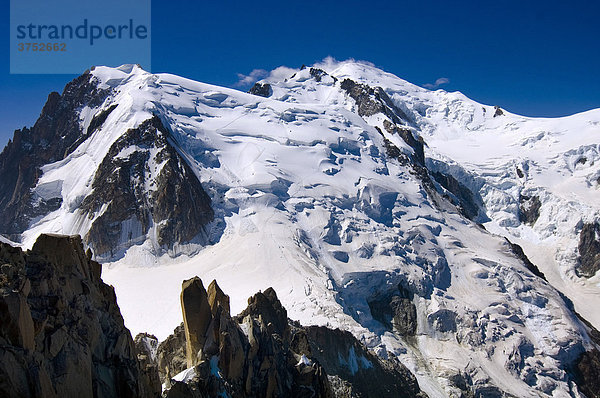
530, 57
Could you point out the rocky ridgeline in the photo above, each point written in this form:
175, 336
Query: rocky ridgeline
261, 353
61, 331
62, 335
56, 134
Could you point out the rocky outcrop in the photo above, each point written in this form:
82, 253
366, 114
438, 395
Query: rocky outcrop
197, 316
442, 320
61, 331
260, 352
171, 354
371, 101
520, 254
261, 89
122, 208
408, 137
589, 250
587, 373
529, 209
51, 139
404, 315
146, 347
358, 372
268, 307
468, 205
396, 311
318, 74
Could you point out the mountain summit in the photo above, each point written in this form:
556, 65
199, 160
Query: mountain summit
458, 237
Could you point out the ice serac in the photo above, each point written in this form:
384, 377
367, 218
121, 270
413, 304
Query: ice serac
62, 333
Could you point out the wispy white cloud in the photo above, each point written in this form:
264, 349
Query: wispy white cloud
285, 72
253, 77
437, 84
281, 73
329, 63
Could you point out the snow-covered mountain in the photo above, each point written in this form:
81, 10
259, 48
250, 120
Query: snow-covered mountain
368, 204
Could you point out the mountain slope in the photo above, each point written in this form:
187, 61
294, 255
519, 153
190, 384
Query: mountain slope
352, 194
535, 180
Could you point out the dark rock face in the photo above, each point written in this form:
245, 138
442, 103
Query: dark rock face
268, 306
395, 310
170, 356
318, 74
518, 251
146, 346
277, 360
404, 316
409, 138
261, 353
443, 320
468, 206
520, 173
587, 373
498, 111
51, 139
464, 383
529, 209
261, 89
61, 331
371, 101
362, 373
589, 250
177, 204
341, 256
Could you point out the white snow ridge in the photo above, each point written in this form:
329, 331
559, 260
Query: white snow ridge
325, 202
